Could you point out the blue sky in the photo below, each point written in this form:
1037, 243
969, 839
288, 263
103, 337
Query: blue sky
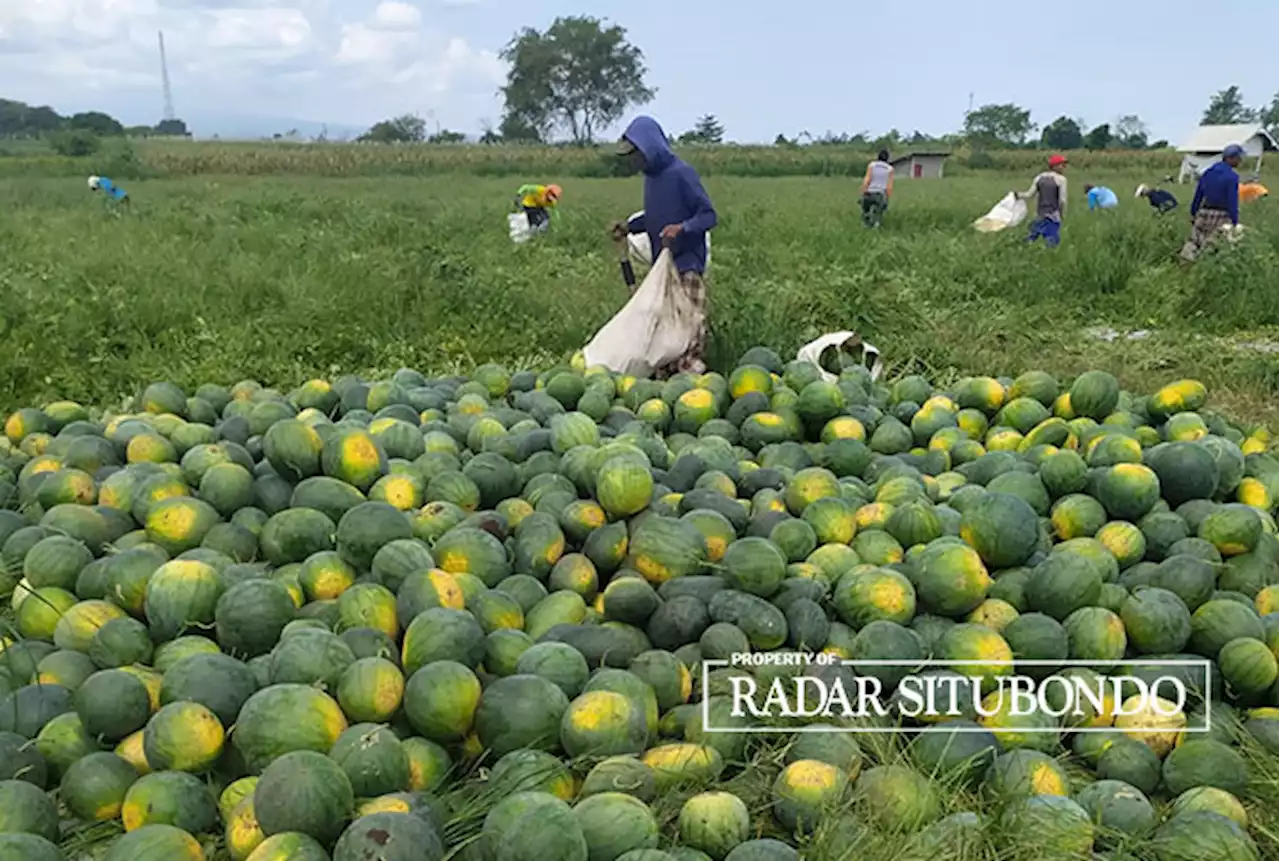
763, 68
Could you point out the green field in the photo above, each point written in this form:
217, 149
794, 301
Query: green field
283, 278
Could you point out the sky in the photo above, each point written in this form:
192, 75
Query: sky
256, 66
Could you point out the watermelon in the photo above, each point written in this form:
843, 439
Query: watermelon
183, 736
1025, 772
250, 615
620, 774
169, 798
371, 690
714, 822
389, 837
158, 842
896, 797
28, 847
603, 723
25, 808
1094, 394
95, 785
531, 770
1201, 834
614, 823
372, 758
304, 792
429, 764
1156, 621
440, 700
112, 704
283, 718
1050, 823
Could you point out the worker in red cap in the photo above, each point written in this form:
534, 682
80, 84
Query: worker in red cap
1050, 191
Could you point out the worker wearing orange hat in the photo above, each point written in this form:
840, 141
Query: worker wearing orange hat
1050, 191
539, 203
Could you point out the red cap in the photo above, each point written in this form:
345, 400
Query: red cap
1055, 160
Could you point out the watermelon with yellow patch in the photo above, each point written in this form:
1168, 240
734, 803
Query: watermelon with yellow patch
354, 456
180, 523
805, 791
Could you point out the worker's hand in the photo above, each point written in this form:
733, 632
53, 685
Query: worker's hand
671, 231
618, 230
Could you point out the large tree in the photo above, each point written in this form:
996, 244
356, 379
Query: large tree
406, 128
1226, 108
1062, 133
579, 76
97, 122
1270, 115
1131, 132
1099, 137
1005, 124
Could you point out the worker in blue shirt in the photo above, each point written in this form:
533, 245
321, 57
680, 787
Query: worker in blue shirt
1216, 203
1100, 197
1161, 201
114, 194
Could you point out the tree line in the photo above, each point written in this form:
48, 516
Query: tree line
76, 134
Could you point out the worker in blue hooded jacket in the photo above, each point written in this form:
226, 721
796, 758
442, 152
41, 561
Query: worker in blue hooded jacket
677, 215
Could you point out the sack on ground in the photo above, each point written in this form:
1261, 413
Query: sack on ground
654, 328
836, 350
1009, 212
518, 227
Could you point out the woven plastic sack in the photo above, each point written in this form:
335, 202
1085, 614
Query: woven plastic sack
642, 252
654, 328
1010, 211
848, 343
518, 227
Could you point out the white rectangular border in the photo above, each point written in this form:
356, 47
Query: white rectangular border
1203, 663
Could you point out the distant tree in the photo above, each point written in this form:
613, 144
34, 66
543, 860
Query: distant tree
1227, 107
1270, 116
918, 137
489, 135
1160, 144
1005, 124
74, 142
516, 129
445, 136
175, 128
103, 125
406, 128
707, 130
139, 131
1062, 133
1131, 132
578, 76
1099, 137
783, 140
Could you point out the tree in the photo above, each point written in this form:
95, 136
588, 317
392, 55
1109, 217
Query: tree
1062, 133
174, 128
489, 135
518, 129
406, 128
578, 76
1226, 108
103, 125
444, 136
707, 130
1099, 137
1131, 132
74, 142
1270, 116
1005, 124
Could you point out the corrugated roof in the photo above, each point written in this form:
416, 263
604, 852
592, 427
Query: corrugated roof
1216, 138
911, 155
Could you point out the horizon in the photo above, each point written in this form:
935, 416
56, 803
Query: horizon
257, 67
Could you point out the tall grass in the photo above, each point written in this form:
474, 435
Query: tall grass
282, 278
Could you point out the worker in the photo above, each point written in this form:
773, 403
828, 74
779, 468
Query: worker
1252, 189
1050, 190
1100, 197
877, 188
677, 215
539, 202
1216, 203
112, 193
1161, 201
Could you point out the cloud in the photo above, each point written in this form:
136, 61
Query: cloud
343, 61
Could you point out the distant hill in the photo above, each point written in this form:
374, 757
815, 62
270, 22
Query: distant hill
249, 127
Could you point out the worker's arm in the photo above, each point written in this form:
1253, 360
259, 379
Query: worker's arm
888, 187
704, 214
1233, 203
1062, 195
866, 180
1030, 192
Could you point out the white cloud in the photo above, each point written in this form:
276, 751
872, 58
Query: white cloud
328, 60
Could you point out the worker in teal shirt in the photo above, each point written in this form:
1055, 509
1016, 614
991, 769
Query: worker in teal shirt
114, 194
1100, 197
1216, 203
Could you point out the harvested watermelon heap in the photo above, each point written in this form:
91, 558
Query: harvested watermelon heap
401, 619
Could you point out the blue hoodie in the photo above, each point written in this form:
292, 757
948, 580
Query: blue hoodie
1218, 188
673, 194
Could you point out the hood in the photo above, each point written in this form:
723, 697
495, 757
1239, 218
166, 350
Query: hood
649, 138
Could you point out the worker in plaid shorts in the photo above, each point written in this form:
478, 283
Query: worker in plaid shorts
1216, 203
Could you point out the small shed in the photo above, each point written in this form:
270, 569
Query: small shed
919, 165
1206, 144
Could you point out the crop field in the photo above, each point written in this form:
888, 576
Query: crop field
317, 543
277, 278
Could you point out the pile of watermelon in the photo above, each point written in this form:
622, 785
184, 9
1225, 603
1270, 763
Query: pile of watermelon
418, 617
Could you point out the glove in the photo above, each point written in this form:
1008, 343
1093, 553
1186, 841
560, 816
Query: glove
618, 230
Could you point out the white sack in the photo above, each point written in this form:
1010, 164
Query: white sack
518, 227
654, 328
641, 251
849, 342
1010, 211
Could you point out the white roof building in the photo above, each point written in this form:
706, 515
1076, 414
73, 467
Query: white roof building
1206, 144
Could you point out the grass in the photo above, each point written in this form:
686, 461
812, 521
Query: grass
218, 278
221, 277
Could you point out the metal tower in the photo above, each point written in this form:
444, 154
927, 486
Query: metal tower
169, 113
